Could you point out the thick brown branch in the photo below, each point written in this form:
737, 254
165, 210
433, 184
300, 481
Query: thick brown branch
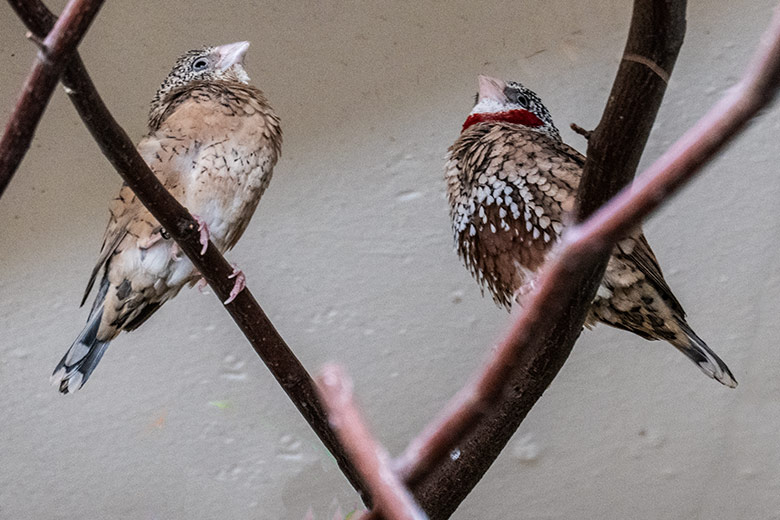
246, 312
53, 55
483, 416
372, 461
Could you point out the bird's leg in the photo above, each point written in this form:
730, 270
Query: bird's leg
204, 233
238, 274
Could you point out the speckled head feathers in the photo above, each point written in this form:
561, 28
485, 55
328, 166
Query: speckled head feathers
222, 63
512, 102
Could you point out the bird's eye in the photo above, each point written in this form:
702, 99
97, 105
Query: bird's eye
522, 100
200, 64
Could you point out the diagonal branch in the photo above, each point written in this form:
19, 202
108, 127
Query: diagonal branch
53, 55
244, 310
373, 462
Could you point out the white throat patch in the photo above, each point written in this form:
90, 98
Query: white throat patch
488, 106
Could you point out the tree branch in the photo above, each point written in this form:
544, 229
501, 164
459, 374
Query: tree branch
372, 461
245, 311
482, 417
53, 54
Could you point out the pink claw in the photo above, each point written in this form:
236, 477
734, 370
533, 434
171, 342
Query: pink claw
175, 253
202, 284
204, 233
524, 290
238, 274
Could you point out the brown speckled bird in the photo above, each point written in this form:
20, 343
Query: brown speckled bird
510, 182
213, 142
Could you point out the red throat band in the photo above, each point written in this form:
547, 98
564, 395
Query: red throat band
518, 117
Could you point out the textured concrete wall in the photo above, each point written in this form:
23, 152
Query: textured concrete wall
350, 254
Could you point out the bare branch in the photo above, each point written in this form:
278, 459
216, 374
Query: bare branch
244, 310
53, 55
372, 461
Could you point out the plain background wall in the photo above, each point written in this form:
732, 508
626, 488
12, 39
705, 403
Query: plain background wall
350, 254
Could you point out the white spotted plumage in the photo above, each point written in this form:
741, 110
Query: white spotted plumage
510, 183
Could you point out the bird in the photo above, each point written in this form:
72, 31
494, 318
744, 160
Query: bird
511, 184
213, 141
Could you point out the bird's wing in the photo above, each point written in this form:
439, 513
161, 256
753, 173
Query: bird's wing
634, 249
120, 209
130, 224
637, 250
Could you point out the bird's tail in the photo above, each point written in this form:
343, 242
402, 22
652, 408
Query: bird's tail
82, 357
698, 352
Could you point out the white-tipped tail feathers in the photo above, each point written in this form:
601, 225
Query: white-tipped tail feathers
82, 357
709, 362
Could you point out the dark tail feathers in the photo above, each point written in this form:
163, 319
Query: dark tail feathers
709, 362
82, 357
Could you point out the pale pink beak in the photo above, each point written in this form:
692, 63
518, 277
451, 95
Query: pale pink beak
491, 88
231, 54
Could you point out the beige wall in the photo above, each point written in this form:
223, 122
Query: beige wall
350, 254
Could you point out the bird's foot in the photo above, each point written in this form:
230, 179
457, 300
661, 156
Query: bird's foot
521, 294
175, 252
204, 233
202, 284
238, 274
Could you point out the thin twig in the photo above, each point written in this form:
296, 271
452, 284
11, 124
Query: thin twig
372, 461
37, 41
244, 310
596, 236
584, 133
53, 54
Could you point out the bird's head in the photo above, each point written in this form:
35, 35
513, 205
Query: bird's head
223, 63
510, 102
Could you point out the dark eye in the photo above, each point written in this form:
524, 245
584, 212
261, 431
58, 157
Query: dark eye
200, 64
522, 100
